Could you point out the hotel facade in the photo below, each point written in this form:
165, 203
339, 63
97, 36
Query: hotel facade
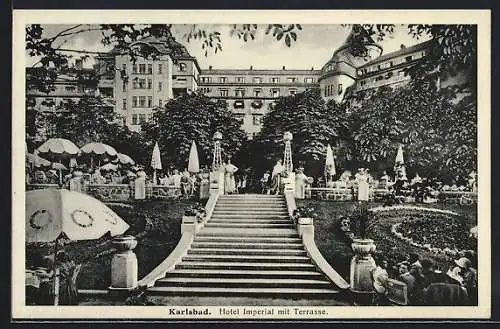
136, 88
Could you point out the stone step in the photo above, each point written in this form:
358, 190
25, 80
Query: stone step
253, 212
256, 273
249, 225
249, 232
249, 201
241, 282
247, 196
250, 220
248, 239
245, 245
245, 258
198, 265
247, 251
230, 291
252, 216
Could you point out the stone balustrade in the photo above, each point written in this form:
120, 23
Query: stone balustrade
119, 192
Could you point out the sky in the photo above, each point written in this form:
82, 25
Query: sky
314, 47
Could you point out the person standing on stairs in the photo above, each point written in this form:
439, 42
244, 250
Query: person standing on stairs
229, 182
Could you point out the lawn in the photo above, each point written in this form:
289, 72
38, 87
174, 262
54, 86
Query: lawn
337, 250
155, 224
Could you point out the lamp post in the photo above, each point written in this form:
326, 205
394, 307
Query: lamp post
287, 161
217, 156
217, 174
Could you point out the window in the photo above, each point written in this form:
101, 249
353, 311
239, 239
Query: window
390, 63
275, 92
257, 92
124, 86
239, 117
239, 93
160, 85
142, 118
181, 79
290, 80
223, 92
308, 80
239, 104
150, 101
205, 79
134, 101
275, 80
124, 104
222, 80
150, 68
142, 101
408, 58
240, 79
257, 119
134, 119
160, 68
70, 88
134, 68
363, 82
182, 67
340, 89
150, 83
292, 91
160, 103
257, 80
124, 121
124, 67
142, 84
142, 68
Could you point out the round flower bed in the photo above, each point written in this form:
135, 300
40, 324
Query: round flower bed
436, 230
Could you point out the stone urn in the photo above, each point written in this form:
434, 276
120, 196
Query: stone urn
362, 265
124, 264
125, 243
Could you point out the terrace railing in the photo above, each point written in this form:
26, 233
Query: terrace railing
119, 192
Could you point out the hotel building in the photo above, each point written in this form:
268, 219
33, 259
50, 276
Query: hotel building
136, 88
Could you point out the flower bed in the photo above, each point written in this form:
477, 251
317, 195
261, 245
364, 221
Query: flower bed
436, 232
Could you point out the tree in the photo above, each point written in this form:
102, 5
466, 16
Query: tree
312, 124
438, 133
192, 117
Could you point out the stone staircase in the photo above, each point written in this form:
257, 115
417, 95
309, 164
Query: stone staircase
249, 247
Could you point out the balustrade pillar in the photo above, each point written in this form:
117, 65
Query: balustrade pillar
124, 266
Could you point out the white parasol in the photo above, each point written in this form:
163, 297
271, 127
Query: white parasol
156, 161
99, 150
329, 162
51, 214
399, 155
193, 163
58, 147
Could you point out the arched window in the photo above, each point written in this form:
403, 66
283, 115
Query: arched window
340, 89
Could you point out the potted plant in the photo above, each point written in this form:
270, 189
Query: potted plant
304, 215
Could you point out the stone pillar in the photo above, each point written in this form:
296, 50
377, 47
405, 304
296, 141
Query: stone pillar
189, 224
306, 226
124, 265
362, 265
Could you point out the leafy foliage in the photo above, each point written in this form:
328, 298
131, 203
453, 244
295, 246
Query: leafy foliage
311, 123
193, 117
413, 115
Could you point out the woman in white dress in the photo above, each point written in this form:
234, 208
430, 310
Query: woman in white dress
229, 182
363, 186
